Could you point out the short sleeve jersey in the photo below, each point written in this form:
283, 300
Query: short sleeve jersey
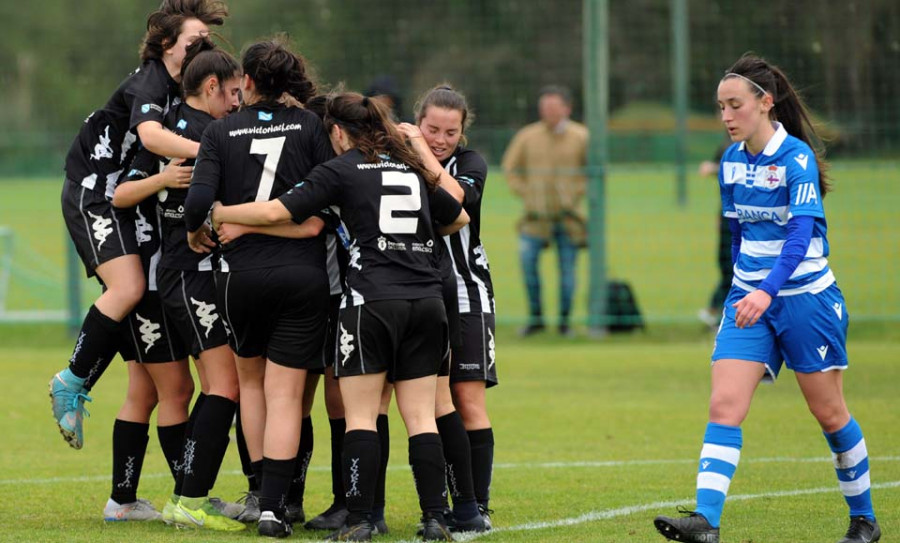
105, 145
258, 154
386, 215
470, 261
763, 193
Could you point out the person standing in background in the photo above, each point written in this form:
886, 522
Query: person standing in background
544, 165
712, 314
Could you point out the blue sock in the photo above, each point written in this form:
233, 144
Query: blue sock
851, 462
718, 460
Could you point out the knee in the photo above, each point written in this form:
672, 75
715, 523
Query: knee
140, 403
831, 416
724, 409
130, 292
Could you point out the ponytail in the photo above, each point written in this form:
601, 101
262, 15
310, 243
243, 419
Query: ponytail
276, 70
368, 124
789, 108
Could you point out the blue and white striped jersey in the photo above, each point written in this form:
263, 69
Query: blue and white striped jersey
763, 193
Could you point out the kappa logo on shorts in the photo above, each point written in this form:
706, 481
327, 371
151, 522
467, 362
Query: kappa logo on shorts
490, 349
148, 330
206, 314
102, 149
347, 347
101, 228
142, 228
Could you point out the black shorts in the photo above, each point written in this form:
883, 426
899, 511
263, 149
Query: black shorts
280, 313
451, 304
100, 231
190, 301
149, 336
475, 360
334, 309
405, 338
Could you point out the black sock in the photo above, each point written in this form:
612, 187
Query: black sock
338, 427
276, 482
97, 344
218, 457
304, 455
458, 458
252, 483
257, 469
188, 432
360, 461
482, 442
201, 448
426, 456
171, 441
385, 436
129, 446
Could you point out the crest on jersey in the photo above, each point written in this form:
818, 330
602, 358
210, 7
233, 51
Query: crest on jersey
382, 243
265, 116
182, 124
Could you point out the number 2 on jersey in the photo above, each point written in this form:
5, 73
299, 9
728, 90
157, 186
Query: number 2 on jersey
387, 222
271, 148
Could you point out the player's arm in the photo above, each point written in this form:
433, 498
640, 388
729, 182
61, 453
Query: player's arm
420, 146
310, 228
164, 143
447, 212
252, 213
139, 188
202, 193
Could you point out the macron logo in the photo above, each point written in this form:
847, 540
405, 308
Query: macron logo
266, 116
837, 309
823, 351
802, 160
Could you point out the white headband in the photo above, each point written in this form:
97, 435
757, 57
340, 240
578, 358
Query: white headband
748, 80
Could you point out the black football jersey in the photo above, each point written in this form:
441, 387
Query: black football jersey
386, 216
470, 262
258, 154
144, 219
105, 145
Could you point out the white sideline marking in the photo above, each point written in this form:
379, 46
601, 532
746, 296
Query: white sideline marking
630, 510
525, 465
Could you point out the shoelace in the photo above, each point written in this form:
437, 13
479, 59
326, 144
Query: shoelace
78, 400
247, 498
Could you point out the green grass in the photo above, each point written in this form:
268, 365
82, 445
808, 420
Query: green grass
638, 407
667, 252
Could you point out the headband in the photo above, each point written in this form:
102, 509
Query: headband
748, 80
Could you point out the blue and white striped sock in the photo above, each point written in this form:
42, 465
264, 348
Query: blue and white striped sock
851, 462
718, 460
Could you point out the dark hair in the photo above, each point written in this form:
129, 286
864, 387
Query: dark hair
557, 90
276, 70
367, 122
203, 60
318, 105
446, 97
789, 108
164, 24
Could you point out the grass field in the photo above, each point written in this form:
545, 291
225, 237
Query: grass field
594, 438
667, 252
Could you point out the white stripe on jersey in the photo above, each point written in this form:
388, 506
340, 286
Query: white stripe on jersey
807, 266
772, 248
778, 215
357, 298
206, 264
331, 265
465, 306
815, 287
482, 289
224, 267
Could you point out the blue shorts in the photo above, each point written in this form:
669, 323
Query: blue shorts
807, 332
